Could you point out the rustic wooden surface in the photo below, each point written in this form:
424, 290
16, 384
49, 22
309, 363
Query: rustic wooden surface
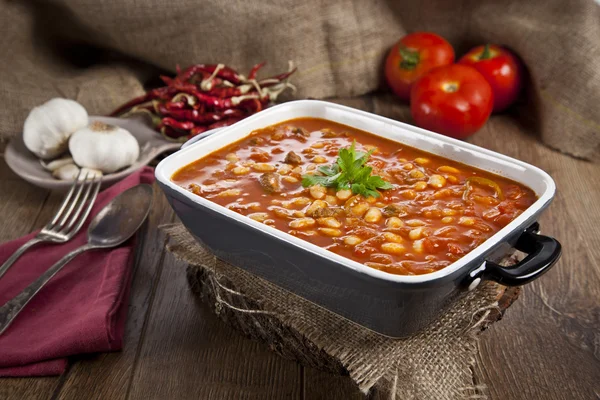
546, 347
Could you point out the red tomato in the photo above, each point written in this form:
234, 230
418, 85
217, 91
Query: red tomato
501, 68
454, 100
412, 57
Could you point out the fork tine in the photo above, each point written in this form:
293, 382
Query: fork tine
65, 202
88, 208
93, 186
72, 205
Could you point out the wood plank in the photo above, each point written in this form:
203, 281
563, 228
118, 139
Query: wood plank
20, 205
188, 353
109, 375
28, 388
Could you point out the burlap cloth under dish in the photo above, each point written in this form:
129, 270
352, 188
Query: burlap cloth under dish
433, 364
102, 52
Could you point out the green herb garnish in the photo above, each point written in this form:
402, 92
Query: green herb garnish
349, 172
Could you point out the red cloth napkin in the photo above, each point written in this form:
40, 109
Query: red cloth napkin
81, 310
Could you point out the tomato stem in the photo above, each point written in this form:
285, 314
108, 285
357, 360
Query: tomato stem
450, 87
410, 59
485, 54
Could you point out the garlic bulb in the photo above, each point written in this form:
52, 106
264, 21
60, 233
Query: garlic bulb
47, 128
107, 148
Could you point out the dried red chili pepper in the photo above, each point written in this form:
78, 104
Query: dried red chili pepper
183, 125
166, 80
274, 80
254, 70
175, 105
197, 117
213, 101
255, 106
172, 133
224, 92
225, 72
206, 96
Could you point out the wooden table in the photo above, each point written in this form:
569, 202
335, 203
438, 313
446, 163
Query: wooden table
546, 347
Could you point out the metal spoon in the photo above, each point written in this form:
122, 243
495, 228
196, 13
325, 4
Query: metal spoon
113, 225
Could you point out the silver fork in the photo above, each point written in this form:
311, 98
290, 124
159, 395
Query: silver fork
68, 220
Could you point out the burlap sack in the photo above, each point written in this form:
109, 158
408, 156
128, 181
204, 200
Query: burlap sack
101, 51
433, 364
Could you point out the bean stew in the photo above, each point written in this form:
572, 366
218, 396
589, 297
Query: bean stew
428, 212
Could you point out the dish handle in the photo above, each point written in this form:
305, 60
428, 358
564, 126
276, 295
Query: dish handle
542, 253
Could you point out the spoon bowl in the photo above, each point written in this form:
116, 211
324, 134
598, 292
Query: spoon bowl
121, 218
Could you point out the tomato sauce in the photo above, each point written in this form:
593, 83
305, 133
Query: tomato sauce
437, 211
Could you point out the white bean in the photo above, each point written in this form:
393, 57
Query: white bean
420, 185
240, 170
300, 201
447, 168
416, 174
394, 222
331, 200
416, 233
330, 232
466, 221
318, 191
437, 181
260, 217
329, 222
285, 169
359, 209
392, 237
232, 157
230, 193
373, 215
418, 246
415, 222
343, 194
263, 167
393, 248
301, 223
315, 206
352, 240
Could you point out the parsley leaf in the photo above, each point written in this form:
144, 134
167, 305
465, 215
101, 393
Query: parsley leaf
349, 172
